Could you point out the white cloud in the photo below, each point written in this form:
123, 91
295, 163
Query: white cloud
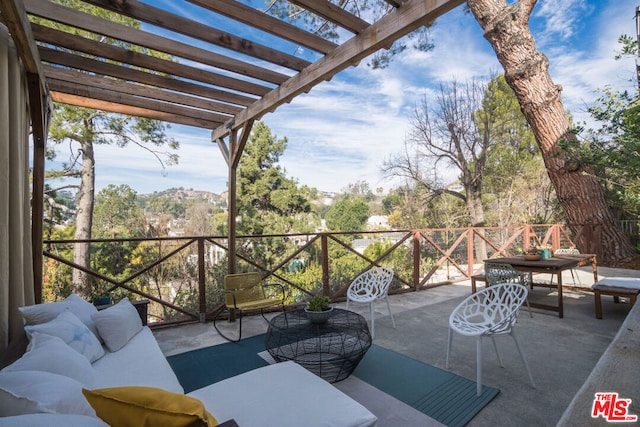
562, 17
583, 68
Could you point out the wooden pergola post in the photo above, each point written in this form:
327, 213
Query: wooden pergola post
232, 154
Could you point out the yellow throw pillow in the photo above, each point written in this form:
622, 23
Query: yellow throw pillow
147, 406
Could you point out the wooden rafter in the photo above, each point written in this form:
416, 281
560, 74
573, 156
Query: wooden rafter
333, 13
148, 40
412, 15
120, 54
264, 22
99, 93
128, 109
87, 80
134, 75
153, 15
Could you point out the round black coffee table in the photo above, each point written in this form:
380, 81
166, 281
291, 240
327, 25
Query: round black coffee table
331, 350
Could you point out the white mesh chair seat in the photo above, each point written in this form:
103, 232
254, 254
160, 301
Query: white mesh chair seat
489, 312
370, 286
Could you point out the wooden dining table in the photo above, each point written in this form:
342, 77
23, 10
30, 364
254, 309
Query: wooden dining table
554, 265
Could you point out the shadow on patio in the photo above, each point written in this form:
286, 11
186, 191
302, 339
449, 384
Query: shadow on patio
561, 352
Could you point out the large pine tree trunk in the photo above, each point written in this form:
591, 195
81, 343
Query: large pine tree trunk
84, 220
527, 72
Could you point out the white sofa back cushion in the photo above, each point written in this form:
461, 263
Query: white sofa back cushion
41, 313
73, 332
50, 354
117, 324
140, 362
26, 392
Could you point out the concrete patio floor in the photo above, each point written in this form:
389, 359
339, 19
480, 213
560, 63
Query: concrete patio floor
561, 352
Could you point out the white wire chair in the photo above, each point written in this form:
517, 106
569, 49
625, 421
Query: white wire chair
569, 251
495, 273
492, 311
370, 286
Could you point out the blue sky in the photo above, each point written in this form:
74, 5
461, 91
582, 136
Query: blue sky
343, 130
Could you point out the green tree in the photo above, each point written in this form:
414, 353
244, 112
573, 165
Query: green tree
116, 213
162, 205
614, 147
83, 128
268, 201
350, 214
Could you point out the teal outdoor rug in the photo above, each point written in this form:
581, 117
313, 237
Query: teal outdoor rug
199, 368
445, 397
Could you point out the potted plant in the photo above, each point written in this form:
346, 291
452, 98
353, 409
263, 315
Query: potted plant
531, 253
318, 309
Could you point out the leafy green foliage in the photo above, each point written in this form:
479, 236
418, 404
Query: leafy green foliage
268, 202
350, 214
267, 199
161, 205
613, 150
319, 303
116, 213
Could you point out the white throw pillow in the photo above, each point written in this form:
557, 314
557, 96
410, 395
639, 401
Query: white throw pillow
27, 392
73, 332
118, 324
52, 420
50, 354
42, 313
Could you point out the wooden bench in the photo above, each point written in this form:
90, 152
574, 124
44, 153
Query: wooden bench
617, 287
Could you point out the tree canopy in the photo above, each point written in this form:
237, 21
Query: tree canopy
350, 214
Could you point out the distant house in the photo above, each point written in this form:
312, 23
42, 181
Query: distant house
377, 222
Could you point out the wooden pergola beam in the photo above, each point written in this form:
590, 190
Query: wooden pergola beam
129, 110
101, 94
402, 21
83, 79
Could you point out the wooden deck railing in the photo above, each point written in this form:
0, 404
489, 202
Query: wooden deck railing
182, 276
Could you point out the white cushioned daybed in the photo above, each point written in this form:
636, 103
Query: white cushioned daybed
87, 367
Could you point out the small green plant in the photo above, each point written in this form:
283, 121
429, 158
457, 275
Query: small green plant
319, 303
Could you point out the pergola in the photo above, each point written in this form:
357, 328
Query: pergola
224, 88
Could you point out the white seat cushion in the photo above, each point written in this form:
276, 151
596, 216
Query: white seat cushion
619, 282
285, 392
